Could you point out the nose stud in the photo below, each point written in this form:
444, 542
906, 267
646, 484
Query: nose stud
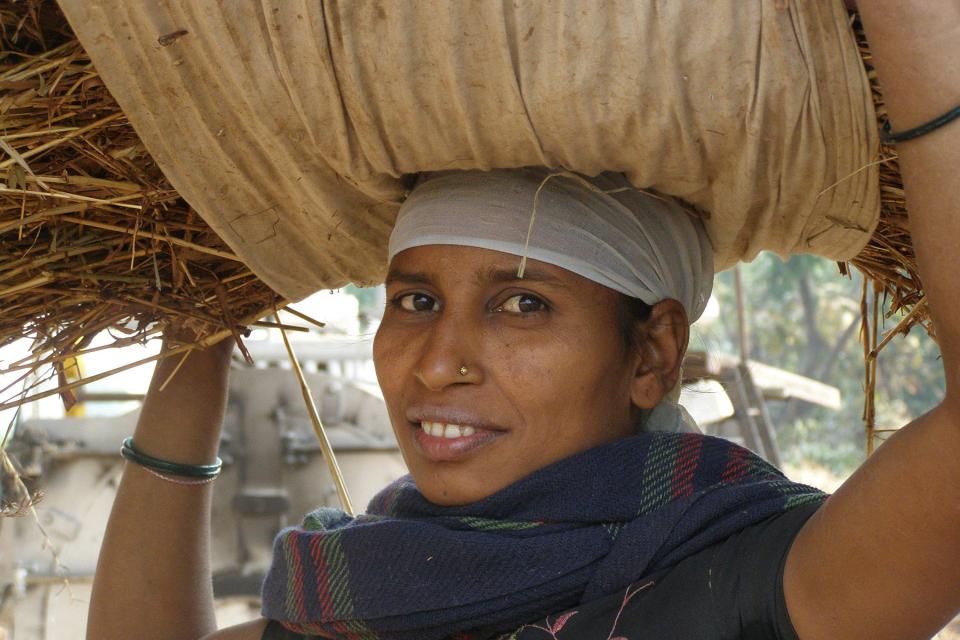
462, 371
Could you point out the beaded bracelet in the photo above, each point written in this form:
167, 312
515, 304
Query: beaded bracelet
195, 471
890, 137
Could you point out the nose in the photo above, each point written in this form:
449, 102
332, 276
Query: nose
448, 353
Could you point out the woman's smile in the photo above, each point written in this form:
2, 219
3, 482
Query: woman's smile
447, 434
442, 442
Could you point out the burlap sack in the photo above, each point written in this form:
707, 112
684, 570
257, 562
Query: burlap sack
288, 124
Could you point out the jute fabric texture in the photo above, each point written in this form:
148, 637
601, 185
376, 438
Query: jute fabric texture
290, 124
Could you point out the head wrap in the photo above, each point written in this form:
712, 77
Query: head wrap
642, 245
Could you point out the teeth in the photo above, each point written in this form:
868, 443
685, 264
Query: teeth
452, 431
434, 429
443, 430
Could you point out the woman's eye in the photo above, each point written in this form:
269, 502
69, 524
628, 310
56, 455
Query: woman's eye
523, 303
418, 302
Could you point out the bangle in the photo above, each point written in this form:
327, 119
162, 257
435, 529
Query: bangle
202, 471
188, 481
890, 137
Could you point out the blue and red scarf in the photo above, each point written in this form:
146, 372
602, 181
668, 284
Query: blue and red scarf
574, 531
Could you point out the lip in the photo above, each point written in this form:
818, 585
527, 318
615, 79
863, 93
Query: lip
450, 415
442, 449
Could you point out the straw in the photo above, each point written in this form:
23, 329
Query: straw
315, 421
92, 236
888, 262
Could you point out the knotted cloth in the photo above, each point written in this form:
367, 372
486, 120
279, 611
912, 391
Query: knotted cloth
574, 531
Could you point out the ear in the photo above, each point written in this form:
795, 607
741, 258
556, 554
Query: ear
659, 354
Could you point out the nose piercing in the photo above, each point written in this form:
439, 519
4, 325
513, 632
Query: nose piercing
462, 371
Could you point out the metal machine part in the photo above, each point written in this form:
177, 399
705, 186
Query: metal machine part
273, 475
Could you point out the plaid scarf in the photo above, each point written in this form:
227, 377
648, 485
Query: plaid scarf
569, 533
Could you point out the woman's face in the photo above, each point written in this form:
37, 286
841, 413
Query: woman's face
547, 373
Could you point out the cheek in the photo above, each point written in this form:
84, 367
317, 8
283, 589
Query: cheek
389, 357
518, 357
570, 358
534, 371
566, 377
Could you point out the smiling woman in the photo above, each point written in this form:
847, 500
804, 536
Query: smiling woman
554, 490
527, 364
510, 335
532, 365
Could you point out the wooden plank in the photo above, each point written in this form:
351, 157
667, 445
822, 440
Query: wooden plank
764, 423
774, 383
785, 384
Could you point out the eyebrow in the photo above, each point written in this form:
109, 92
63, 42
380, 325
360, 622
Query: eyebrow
530, 274
492, 274
411, 277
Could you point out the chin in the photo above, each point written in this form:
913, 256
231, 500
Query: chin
470, 476
450, 491
444, 500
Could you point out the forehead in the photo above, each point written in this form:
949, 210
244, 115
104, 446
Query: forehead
454, 264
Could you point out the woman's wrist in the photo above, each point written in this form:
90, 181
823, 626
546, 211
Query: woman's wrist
914, 49
183, 411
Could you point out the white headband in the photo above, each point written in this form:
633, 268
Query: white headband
641, 245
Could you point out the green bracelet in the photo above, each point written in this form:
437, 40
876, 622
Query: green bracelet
129, 452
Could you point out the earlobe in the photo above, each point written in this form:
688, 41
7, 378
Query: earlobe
645, 391
660, 354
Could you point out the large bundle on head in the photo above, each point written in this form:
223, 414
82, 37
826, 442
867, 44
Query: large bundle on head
290, 127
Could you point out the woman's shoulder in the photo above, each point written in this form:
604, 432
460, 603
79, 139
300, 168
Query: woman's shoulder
733, 589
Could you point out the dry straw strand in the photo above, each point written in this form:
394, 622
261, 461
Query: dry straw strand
888, 262
92, 235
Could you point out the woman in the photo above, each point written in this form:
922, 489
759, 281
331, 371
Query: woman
553, 373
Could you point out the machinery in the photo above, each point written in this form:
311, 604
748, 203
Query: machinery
273, 474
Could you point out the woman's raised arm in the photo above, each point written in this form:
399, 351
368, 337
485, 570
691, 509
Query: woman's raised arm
881, 559
153, 576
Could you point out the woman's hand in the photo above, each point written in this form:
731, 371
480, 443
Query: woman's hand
183, 411
880, 559
153, 575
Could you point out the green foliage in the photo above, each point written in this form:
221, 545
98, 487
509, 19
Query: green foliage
803, 316
367, 297
369, 304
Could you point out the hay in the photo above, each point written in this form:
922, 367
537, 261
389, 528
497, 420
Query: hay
93, 238
888, 263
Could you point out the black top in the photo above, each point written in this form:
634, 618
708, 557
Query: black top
733, 590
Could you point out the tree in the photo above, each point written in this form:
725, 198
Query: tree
803, 316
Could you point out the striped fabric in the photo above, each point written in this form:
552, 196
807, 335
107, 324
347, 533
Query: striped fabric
577, 530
